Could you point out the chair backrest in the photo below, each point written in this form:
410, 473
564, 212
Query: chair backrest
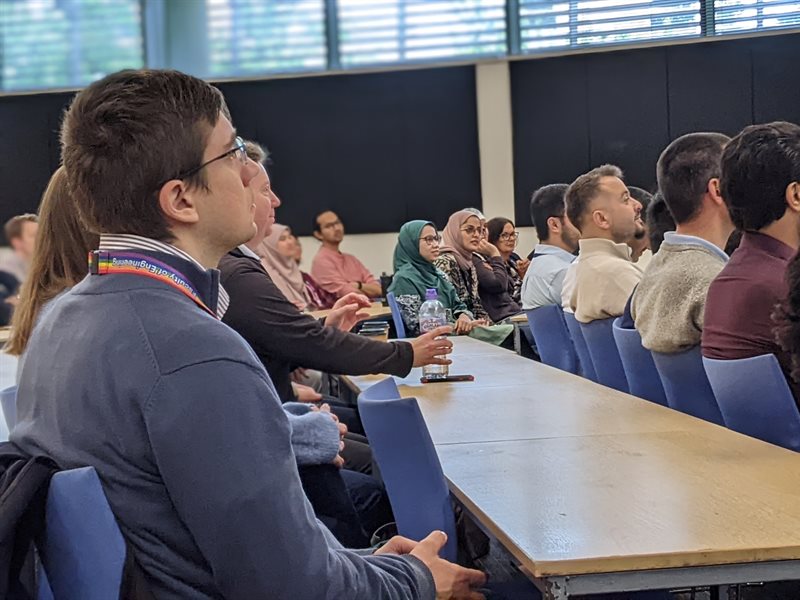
399, 326
553, 342
605, 356
8, 400
640, 370
686, 384
586, 368
83, 551
755, 399
408, 463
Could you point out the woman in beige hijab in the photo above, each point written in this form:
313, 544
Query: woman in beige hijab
277, 253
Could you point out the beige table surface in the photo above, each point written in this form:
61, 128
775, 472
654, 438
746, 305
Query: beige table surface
575, 478
600, 504
376, 310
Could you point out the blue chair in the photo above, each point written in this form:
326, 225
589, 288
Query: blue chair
83, 551
586, 367
686, 384
605, 356
640, 370
8, 400
408, 462
552, 339
399, 326
755, 399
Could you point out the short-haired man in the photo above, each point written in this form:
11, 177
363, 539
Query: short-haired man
640, 244
335, 271
558, 243
760, 183
669, 302
20, 232
133, 373
600, 206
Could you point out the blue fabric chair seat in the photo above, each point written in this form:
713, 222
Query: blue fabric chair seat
605, 356
586, 367
755, 399
640, 370
686, 384
397, 317
552, 339
409, 464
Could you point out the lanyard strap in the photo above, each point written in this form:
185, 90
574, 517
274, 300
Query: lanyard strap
131, 263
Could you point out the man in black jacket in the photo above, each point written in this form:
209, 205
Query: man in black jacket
284, 338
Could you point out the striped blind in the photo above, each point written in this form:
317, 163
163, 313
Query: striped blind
67, 43
248, 37
549, 24
391, 31
733, 16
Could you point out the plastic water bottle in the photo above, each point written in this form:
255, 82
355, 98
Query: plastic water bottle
432, 315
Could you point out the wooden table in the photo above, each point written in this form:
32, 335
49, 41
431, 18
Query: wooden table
595, 491
375, 311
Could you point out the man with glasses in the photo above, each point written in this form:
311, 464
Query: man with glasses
555, 252
133, 373
335, 271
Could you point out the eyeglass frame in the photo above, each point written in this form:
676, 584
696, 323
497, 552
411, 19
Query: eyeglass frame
430, 239
471, 230
506, 237
238, 147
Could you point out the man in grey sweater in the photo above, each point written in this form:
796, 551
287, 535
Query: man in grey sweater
132, 372
668, 305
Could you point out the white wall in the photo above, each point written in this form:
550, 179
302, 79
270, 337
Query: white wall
493, 94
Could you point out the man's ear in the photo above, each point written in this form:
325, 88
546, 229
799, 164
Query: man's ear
600, 218
793, 196
713, 191
178, 203
554, 225
317, 234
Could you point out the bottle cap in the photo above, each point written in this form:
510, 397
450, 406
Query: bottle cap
431, 294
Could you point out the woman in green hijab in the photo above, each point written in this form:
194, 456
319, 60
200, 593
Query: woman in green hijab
414, 273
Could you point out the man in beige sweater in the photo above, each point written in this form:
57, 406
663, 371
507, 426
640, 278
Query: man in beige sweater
669, 303
601, 207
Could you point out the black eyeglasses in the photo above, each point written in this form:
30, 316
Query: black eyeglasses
238, 151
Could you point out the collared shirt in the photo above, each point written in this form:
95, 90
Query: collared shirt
128, 241
545, 276
740, 302
604, 280
671, 237
336, 271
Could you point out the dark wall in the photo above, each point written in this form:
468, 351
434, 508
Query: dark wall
576, 112
379, 149
29, 150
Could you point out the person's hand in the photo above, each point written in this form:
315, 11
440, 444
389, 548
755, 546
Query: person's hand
347, 316
522, 266
353, 298
488, 249
397, 545
428, 350
452, 581
305, 393
463, 324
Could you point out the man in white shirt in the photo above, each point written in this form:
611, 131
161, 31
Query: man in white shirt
558, 242
601, 207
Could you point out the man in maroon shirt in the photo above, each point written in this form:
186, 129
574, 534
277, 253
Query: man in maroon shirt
760, 175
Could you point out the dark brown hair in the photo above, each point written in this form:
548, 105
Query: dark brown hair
125, 136
59, 260
584, 189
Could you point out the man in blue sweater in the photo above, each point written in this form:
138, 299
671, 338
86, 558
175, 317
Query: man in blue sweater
132, 372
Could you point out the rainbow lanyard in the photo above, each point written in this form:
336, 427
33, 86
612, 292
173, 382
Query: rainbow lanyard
130, 263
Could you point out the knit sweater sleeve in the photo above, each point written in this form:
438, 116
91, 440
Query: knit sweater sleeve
315, 438
221, 443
